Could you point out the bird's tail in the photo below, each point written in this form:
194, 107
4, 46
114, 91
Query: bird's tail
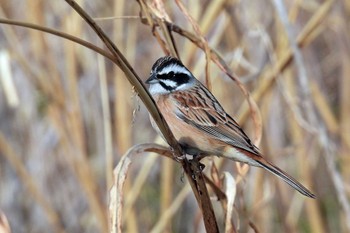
287, 178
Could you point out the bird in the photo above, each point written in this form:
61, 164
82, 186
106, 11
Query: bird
198, 121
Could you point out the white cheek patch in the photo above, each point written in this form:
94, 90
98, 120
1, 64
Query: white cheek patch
169, 83
176, 69
156, 89
184, 86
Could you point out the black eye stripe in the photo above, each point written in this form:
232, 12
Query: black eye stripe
179, 78
163, 76
166, 87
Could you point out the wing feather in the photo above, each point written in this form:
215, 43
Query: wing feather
199, 108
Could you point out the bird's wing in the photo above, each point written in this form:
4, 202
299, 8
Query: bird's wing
199, 108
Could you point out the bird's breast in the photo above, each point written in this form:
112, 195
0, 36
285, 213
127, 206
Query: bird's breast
191, 138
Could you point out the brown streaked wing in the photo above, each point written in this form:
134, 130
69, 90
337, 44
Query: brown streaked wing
199, 108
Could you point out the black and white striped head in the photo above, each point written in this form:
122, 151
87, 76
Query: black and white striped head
168, 74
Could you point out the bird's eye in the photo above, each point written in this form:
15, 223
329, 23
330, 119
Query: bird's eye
162, 76
171, 74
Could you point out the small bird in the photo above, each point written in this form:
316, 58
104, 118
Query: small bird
199, 123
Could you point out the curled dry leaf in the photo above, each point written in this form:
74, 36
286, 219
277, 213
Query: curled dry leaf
116, 193
120, 173
230, 191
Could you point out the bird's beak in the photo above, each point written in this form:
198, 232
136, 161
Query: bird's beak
152, 79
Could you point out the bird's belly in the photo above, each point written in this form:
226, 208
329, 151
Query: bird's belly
193, 140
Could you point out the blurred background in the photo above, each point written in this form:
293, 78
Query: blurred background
67, 115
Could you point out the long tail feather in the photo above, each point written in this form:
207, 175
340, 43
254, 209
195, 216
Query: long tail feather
287, 178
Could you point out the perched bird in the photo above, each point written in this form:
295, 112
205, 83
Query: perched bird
199, 123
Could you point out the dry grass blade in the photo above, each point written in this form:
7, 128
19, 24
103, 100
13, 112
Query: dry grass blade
107, 128
167, 189
6, 80
214, 173
138, 183
169, 213
324, 108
